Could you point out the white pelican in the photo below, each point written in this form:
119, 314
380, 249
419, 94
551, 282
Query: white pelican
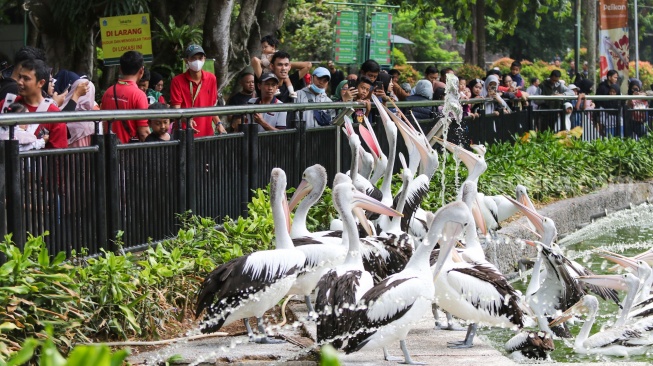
380, 160
624, 341
252, 284
342, 287
388, 311
475, 291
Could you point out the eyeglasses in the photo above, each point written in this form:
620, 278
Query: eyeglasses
635, 89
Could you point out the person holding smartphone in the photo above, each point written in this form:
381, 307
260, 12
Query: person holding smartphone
361, 93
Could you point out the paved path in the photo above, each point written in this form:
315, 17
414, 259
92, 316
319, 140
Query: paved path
425, 345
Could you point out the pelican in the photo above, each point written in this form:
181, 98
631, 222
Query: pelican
530, 345
252, 284
380, 160
388, 311
343, 286
624, 341
475, 291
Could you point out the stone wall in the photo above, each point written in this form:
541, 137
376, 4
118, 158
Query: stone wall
569, 215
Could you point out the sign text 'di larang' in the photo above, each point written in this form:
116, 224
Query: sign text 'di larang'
125, 33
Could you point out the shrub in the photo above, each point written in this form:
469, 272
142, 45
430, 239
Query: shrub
469, 72
645, 73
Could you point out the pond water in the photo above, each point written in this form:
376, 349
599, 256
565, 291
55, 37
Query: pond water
627, 232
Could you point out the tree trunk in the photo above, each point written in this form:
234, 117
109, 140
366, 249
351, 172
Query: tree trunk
590, 24
240, 37
216, 42
480, 33
471, 54
269, 16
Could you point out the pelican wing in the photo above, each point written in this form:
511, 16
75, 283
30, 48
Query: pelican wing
417, 191
335, 304
608, 337
381, 305
577, 269
534, 345
231, 284
385, 256
487, 289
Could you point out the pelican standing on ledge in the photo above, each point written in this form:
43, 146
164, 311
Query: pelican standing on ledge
252, 284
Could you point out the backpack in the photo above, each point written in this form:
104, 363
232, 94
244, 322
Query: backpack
321, 117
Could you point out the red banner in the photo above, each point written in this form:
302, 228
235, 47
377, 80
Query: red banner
613, 39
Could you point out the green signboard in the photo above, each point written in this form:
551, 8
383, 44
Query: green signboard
380, 38
347, 37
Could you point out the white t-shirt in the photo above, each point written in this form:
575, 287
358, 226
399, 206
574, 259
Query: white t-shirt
274, 119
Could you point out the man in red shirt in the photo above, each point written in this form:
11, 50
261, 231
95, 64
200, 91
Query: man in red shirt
196, 88
128, 96
32, 76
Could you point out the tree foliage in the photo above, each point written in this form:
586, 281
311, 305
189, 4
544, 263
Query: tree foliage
308, 29
427, 38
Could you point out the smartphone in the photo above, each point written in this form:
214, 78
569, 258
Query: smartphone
378, 85
351, 83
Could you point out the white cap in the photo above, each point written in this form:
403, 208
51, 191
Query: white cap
568, 105
572, 87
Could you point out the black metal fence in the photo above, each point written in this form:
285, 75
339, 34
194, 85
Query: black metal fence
83, 197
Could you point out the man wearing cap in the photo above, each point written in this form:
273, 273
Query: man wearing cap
268, 121
196, 88
316, 93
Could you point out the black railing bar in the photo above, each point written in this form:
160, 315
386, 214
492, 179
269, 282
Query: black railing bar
232, 135
141, 145
590, 97
54, 152
12, 119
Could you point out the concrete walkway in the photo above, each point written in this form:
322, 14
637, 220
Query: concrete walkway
424, 343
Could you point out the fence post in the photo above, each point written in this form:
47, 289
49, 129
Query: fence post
252, 131
113, 189
101, 191
15, 222
300, 150
3, 196
245, 169
190, 169
180, 135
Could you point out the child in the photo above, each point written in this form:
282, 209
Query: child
269, 46
24, 133
144, 82
569, 109
159, 127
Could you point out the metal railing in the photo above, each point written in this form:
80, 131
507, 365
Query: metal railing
85, 196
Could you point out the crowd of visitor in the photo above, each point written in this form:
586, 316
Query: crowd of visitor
274, 78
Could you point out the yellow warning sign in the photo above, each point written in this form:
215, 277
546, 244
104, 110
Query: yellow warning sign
125, 33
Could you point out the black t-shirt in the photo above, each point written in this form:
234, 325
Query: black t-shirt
153, 137
239, 99
297, 83
8, 85
336, 78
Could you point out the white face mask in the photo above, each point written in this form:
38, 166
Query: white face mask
196, 65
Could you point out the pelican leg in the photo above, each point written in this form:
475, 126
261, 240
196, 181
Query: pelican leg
469, 338
312, 315
263, 338
452, 324
387, 357
250, 333
407, 359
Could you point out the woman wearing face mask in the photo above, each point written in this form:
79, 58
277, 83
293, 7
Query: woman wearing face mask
196, 88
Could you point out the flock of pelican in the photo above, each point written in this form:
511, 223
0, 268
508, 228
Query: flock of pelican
385, 262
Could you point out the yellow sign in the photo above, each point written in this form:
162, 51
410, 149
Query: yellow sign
125, 33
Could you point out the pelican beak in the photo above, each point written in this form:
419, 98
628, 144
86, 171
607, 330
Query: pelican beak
576, 308
286, 210
616, 282
535, 218
646, 257
368, 203
360, 214
478, 217
531, 243
620, 260
370, 141
302, 190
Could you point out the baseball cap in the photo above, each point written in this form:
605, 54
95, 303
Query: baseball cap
572, 87
193, 50
322, 72
267, 76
